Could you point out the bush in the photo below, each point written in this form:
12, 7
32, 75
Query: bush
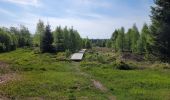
123, 66
61, 56
161, 65
101, 59
36, 50
68, 53
2, 47
90, 57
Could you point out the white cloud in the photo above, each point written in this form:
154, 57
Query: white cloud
93, 28
81, 16
92, 3
6, 12
35, 3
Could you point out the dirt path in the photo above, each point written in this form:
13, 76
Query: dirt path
6, 74
97, 84
8, 77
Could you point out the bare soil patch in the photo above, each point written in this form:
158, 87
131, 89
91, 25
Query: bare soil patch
8, 77
6, 74
99, 86
4, 67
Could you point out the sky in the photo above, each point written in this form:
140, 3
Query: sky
91, 18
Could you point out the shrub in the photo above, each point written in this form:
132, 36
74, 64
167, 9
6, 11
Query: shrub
2, 47
123, 66
161, 65
101, 59
61, 56
68, 53
90, 57
36, 50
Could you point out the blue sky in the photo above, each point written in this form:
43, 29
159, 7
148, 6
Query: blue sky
92, 18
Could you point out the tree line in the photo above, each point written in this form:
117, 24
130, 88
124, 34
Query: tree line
59, 40
152, 40
132, 40
13, 38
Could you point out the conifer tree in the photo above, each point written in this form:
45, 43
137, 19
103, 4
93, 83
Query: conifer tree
46, 40
161, 29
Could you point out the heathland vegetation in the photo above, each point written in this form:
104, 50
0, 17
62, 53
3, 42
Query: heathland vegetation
132, 65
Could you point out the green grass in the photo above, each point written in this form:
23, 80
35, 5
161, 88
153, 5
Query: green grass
134, 84
42, 76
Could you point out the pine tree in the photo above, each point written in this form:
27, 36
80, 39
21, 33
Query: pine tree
161, 29
46, 40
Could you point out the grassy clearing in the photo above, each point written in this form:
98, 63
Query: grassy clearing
134, 84
147, 81
44, 76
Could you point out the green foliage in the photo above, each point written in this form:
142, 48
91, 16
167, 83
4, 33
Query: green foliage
98, 42
134, 84
64, 39
160, 29
122, 65
40, 29
37, 50
24, 37
113, 39
7, 40
68, 53
145, 40
42, 76
120, 40
128, 40
101, 59
88, 65
67, 39
132, 41
75, 40
88, 44
46, 40
59, 39
109, 43
135, 37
